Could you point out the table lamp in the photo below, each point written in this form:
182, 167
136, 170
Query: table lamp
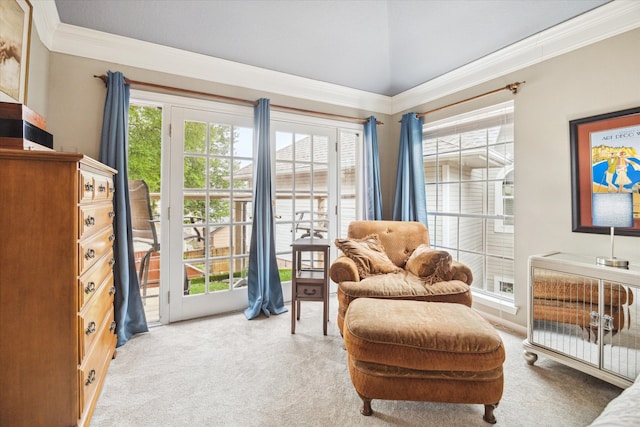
612, 210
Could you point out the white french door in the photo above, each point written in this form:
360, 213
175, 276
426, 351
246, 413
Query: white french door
306, 183
211, 183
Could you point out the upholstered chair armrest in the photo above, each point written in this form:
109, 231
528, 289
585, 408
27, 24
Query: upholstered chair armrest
461, 272
344, 269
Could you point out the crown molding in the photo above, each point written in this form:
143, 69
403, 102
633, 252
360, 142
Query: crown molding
46, 20
606, 21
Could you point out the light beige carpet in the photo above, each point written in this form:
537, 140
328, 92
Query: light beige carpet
228, 371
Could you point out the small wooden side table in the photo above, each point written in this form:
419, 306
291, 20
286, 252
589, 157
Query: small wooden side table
310, 278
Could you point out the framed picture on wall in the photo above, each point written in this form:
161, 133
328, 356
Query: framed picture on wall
605, 173
15, 38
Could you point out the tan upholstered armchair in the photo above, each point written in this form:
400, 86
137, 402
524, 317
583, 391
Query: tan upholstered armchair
392, 259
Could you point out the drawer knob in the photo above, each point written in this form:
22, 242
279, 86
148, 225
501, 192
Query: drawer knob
88, 187
112, 214
112, 237
112, 291
102, 188
91, 286
91, 378
91, 328
90, 221
112, 262
112, 327
90, 254
309, 292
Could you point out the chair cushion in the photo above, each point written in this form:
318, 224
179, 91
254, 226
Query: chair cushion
405, 285
368, 255
421, 335
432, 265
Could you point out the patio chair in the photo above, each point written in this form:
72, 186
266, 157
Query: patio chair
145, 232
143, 228
307, 227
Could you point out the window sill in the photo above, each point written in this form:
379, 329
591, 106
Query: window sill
496, 303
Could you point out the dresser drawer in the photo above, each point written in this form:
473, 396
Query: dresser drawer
100, 274
95, 187
93, 368
103, 188
94, 217
94, 248
86, 186
93, 317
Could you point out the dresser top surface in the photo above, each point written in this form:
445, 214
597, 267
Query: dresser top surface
584, 264
49, 155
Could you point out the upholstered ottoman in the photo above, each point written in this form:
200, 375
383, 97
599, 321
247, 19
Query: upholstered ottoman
423, 351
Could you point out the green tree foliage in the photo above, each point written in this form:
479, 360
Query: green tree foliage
145, 140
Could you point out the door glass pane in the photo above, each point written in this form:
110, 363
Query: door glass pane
319, 179
347, 180
194, 172
194, 207
219, 172
303, 149
220, 139
219, 207
144, 163
284, 173
284, 146
283, 241
195, 137
320, 149
217, 202
243, 159
218, 279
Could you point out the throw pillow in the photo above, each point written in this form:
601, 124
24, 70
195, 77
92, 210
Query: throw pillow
368, 255
432, 265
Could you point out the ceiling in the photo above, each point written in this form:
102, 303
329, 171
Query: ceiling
381, 46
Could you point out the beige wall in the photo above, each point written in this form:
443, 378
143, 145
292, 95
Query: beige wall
596, 79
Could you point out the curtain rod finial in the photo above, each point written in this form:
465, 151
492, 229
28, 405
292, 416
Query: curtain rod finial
514, 87
102, 77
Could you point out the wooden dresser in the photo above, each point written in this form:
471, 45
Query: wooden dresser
57, 329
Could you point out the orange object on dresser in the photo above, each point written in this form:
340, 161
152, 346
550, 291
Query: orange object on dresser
22, 128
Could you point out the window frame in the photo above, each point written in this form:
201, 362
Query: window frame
452, 218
